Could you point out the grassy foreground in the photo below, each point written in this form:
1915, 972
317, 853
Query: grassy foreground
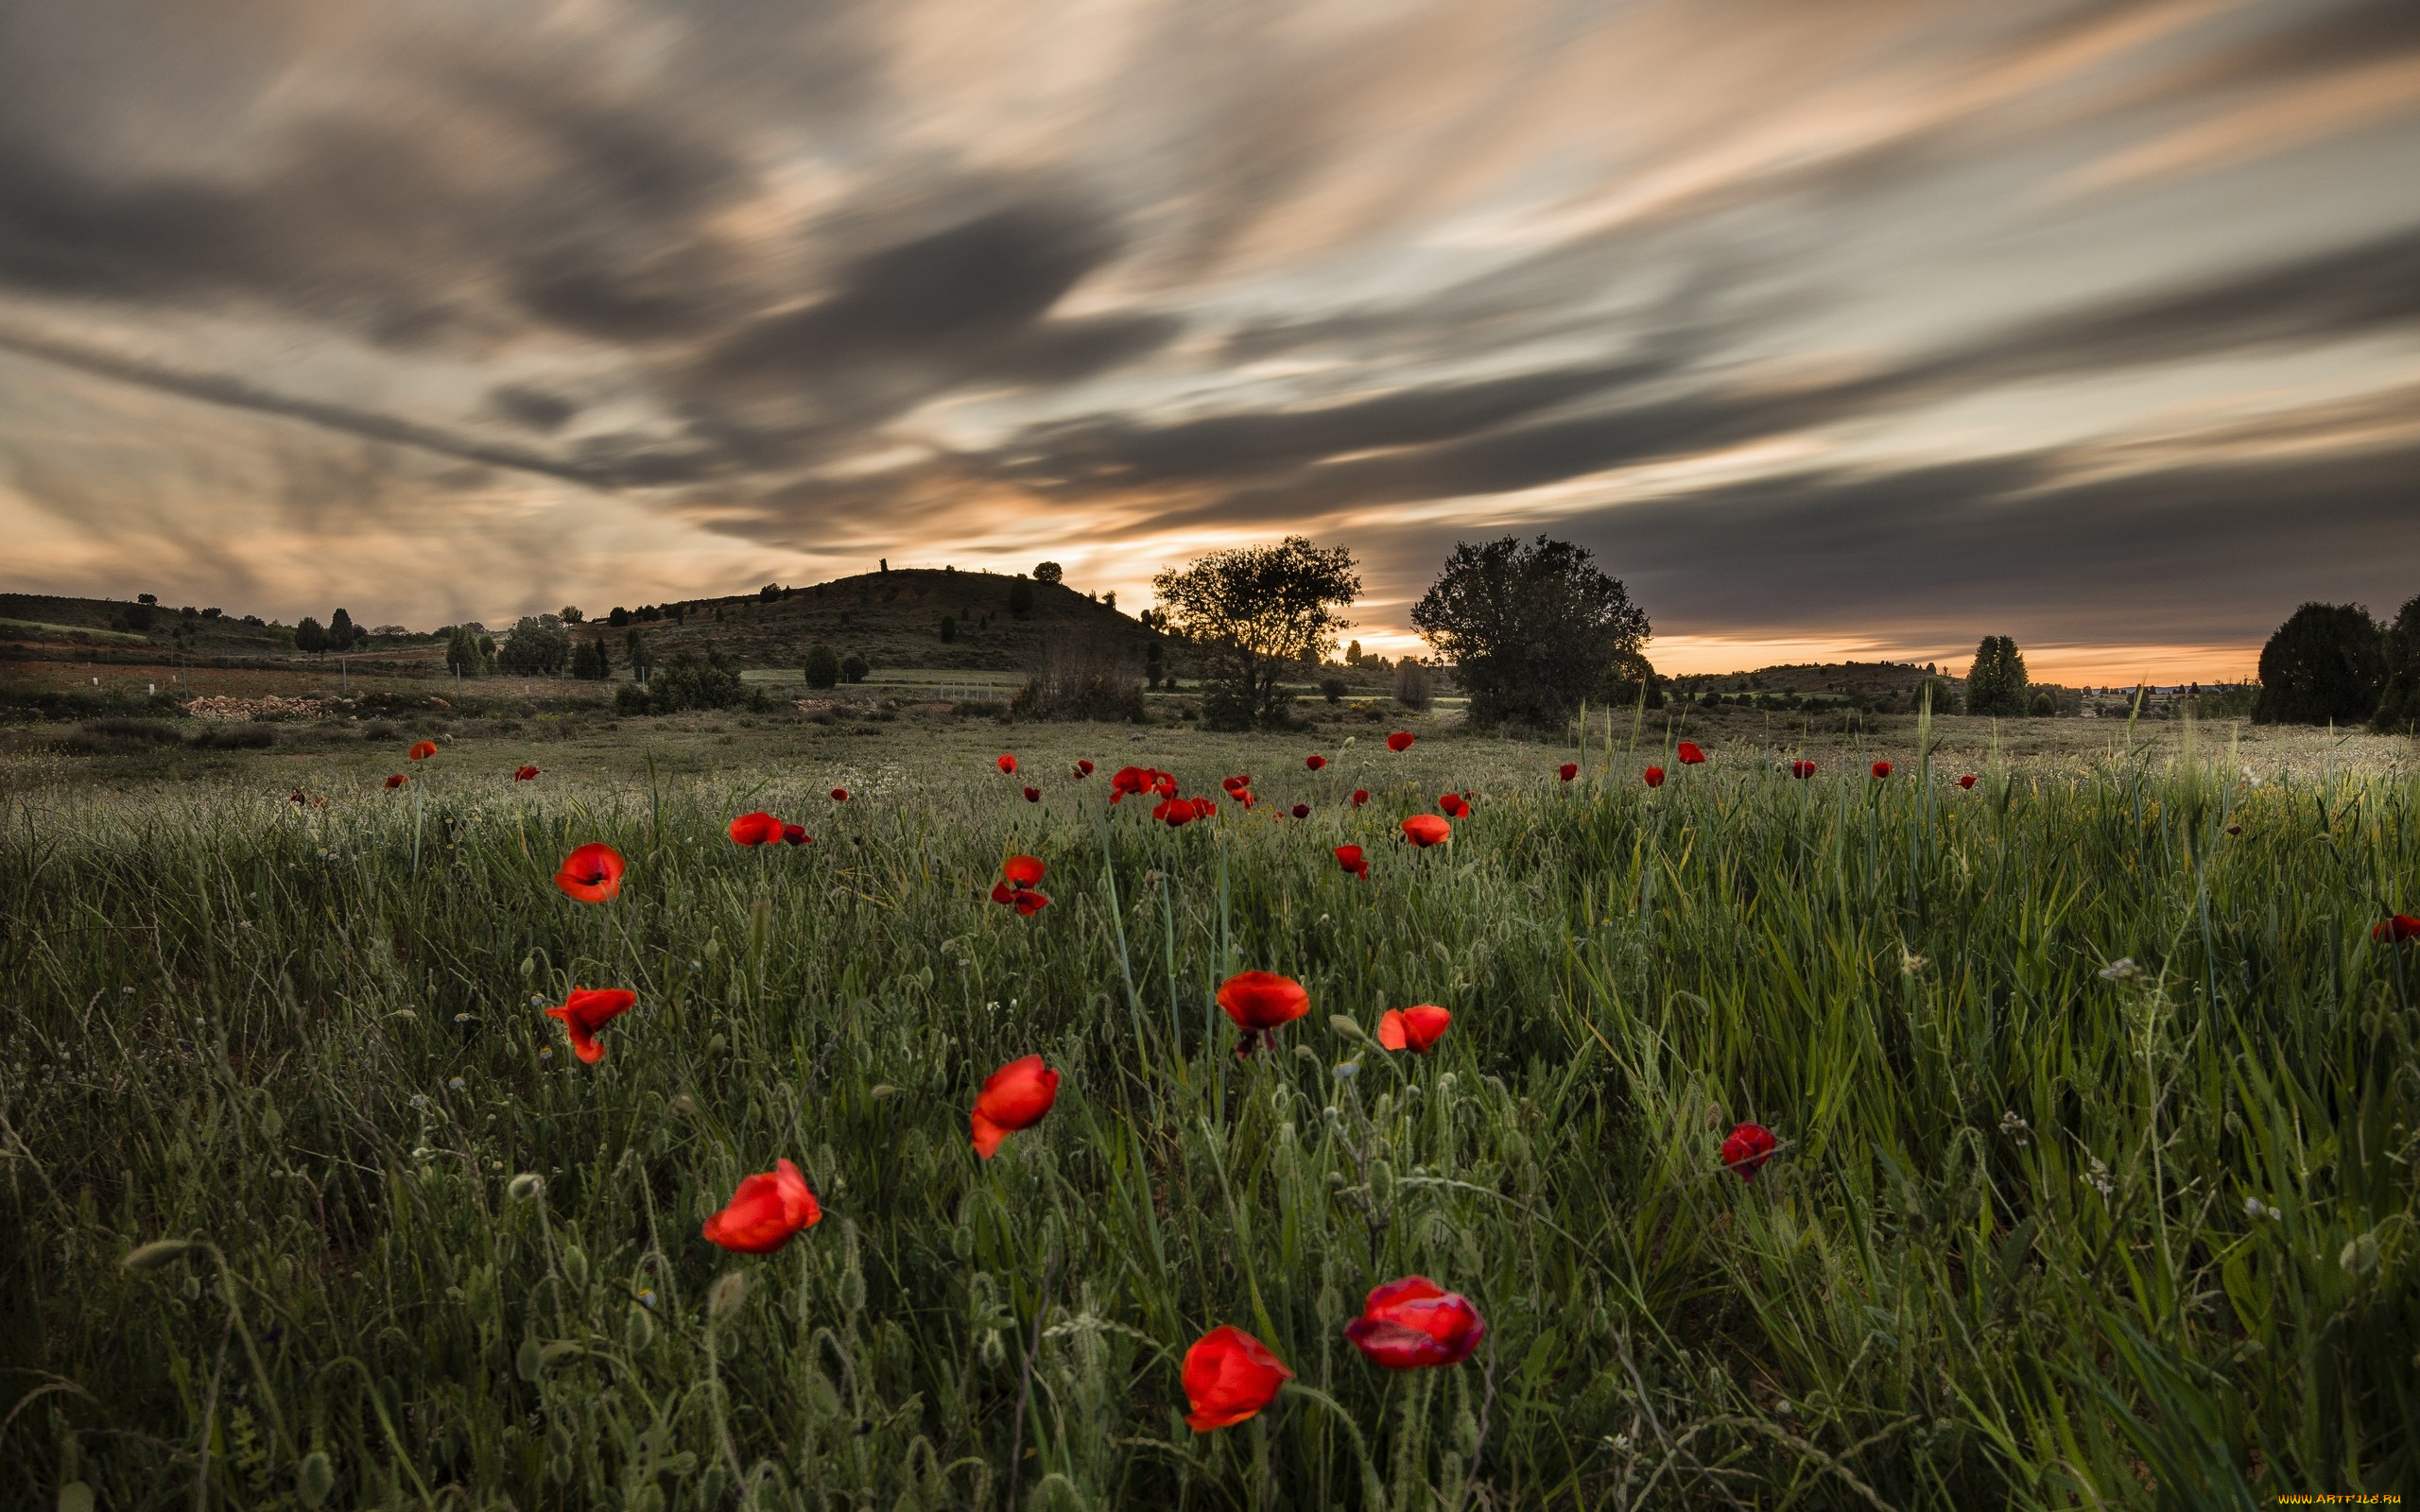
2042, 1233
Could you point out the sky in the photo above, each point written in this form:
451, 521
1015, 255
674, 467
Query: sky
1852, 328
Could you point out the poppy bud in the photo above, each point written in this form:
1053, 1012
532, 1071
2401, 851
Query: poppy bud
729, 1292
1346, 1027
156, 1253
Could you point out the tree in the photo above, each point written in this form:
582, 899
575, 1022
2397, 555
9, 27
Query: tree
1996, 681
1257, 613
1047, 572
343, 634
1353, 655
854, 667
538, 644
634, 652
1532, 629
463, 657
1943, 691
618, 617
685, 680
822, 665
1020, 598
1109, 601
949, 628
570, 614
2399, 701
309, 635
2327, 661
769, 593
592, 661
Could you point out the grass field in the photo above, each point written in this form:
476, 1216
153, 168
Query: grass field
2096, 1098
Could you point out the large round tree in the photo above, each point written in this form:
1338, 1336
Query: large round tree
1532, 629
1253, 614
2327, 661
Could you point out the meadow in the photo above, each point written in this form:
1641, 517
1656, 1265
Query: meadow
2095, 1099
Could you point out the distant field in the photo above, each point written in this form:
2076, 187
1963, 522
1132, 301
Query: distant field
2095, 1184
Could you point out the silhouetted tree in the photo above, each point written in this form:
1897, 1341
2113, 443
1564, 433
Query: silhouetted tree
2399, 701
854, 667
1047, 572
570, 614
538, 644
310, 635
1996, 681
1257, 613
463, 657
2327, 661
342, 634
1531, 631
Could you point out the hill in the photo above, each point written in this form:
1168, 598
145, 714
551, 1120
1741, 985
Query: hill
893, 619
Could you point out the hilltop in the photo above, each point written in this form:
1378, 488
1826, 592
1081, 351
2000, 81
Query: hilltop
893, 619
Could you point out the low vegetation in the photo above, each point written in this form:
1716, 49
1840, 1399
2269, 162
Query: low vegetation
2091, 1093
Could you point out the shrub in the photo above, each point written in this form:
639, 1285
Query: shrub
1081, 677
854, 668
822, 665
687, 681
1412, 684
1333, 688
2043, 705
949, 628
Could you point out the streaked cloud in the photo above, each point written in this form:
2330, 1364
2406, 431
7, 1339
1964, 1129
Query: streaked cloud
1870, 324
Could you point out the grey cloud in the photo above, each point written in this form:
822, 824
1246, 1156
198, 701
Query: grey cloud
532, 407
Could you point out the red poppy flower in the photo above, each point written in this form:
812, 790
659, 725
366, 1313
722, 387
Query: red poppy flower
1007, 763
1244, 796
1139, 780
1315, 763
1748, 1148
1352, 860
1413, 1324
2235, 828
1881, 769
396, 780
839, 795
1260, 1001
766, 1210
1033, 795
1301, 811
1163, 783
1414, 1028
1567, 770
1400, 741
586, 1013
1801, 770
1023, 871
1360, 796
1229, 1376
796, 834
1203, 807
1454, 806
1424, 829
526, 774
1026, 902
1689, 754
296, 796
1235, 784
759, 828
422, 750
1655, 776
2396, 930
593, 873
1967, 780
1084, 768
1014, 1097
1173, 812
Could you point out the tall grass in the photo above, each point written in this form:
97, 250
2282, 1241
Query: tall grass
2045, 1230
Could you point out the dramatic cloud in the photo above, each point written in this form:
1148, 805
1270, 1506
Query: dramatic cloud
1865, 325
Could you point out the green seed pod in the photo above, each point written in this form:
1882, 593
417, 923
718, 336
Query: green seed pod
559, 1469
156, 1253
527, 1363
728, 1294
995, 1353
1382, 1183
853, 1287
574, 1262
190, 1288
715, 1045
638, 1330
961, 1242
710, 1486
315, 1479
558, 1442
